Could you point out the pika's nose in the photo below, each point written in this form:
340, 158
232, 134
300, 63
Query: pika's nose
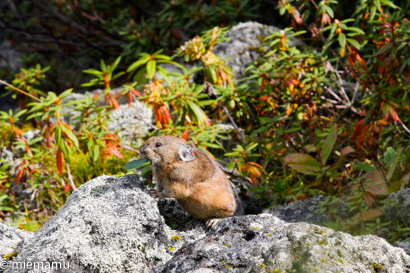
143, 150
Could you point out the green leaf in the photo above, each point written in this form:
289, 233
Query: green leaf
138, 63
342, 40
96, 152
93, 72
354, 43
329, 143
394, 162
114, 65
132, 165
70, 136
151, 68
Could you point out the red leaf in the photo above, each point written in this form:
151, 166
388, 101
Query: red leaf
393, 114
114, 151
129, 99
67, 188
59, 159
359, 141
158, 115
359, 127
18, 176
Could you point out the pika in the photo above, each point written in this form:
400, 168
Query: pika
190, 176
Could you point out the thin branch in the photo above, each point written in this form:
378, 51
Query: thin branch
130, 149
70, 177
210, 88
19, 90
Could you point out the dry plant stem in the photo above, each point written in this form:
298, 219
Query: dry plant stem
70, 177
404, 126
351, 104
147, 123
234, 174
212, 90
130, 149
19, 90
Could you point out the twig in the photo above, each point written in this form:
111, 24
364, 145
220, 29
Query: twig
234, 173
130, 149
19, 90
147, 123
70, 177
351, 104
210, 88
404, 126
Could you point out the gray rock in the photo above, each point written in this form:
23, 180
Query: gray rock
112, 225
241, 47
31, 134
9, 57
404, 245
11, 239
108, 225
8, 157
397, 206
131, 123
264, 243
300, 211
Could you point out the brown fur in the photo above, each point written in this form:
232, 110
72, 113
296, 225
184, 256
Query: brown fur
200, 186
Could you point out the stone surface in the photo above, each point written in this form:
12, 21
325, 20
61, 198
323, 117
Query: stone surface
108, 225
112, 225
397, 206
241, 47
300, 211
264, 243
11, 239
403, 245
131, 123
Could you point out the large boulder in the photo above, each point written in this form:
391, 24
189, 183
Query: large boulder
397, 206
107, 225
113, 225
242, 47
11, 239
264, 243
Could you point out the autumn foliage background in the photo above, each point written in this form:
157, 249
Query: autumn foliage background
329, 115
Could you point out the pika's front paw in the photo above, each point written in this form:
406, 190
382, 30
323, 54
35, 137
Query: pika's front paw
156, 194
211, 222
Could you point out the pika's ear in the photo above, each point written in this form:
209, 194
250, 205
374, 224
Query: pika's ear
185, 153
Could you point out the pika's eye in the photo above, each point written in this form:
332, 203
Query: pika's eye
158, 144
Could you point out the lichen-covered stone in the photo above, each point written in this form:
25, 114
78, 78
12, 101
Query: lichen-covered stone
112, 225
108, 225
264, 243
241, 48
11, 239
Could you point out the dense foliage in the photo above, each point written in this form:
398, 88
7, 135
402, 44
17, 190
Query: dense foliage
327, 113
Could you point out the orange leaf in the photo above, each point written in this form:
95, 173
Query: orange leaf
18, 176
254, 171
114, 151
185, 136
129, 99
393, 114
114, 102
59, 159
368, 199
